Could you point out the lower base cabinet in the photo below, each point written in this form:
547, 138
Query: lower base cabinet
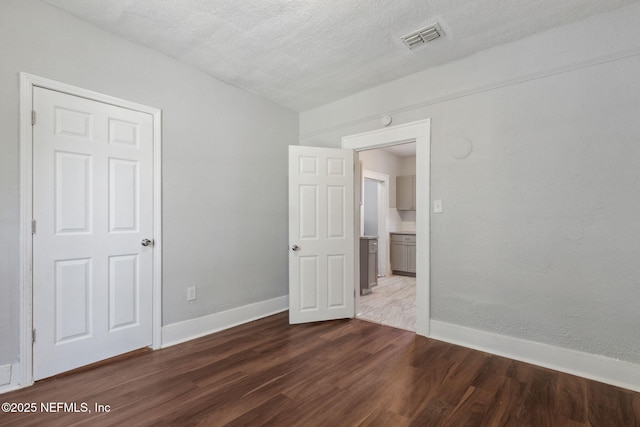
368, 264
403, 254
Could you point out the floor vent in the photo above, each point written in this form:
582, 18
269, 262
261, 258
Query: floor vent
422, 36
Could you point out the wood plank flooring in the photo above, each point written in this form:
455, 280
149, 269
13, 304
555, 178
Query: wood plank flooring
338, 373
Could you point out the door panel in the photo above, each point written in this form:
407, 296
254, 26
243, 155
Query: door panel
336, 280
71, 187
123, 195
123, 291
72, 289
93, 203
321, 270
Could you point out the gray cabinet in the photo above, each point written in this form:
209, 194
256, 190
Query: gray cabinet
368, 264
411, 256
406, 193
403, 254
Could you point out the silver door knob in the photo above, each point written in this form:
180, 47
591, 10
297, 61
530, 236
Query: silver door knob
295, 247
146, 242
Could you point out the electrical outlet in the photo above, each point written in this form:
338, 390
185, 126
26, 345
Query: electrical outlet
437, 206
191, 293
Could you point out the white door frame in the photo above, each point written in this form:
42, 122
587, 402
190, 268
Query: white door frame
383, 213
420, 132
27, 83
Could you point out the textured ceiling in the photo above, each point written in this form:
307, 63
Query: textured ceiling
305, 53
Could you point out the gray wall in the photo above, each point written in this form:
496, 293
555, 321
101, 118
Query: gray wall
540, 235
408, 165
224, 163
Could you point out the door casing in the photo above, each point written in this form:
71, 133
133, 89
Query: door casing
27, 83
419, 132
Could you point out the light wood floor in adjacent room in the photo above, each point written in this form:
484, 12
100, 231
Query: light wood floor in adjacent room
337, 373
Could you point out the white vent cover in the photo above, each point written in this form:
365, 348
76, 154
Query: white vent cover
422, 36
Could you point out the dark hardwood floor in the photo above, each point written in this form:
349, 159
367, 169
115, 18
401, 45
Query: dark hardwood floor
338, 373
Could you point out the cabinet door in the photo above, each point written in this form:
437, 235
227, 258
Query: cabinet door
411, 257
405, 193
373, 270
398, 258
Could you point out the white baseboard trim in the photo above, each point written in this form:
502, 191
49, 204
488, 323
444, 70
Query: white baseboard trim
5, 375
592, 366
9, 378
180, 332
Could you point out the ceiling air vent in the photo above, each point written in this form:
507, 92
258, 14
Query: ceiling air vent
422, 36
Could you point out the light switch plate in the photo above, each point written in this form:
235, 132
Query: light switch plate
191, 293
437, 206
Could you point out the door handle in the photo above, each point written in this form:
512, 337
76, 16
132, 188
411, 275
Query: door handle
146, 242
295, 248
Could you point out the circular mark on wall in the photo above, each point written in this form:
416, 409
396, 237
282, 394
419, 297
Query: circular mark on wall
460, 148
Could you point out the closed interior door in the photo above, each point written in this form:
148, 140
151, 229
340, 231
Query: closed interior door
93, 206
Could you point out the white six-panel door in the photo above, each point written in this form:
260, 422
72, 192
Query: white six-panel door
321, 234
93, 206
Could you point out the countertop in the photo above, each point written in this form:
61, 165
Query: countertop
411, 233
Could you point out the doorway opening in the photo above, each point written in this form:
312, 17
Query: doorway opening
388, 236
420, 133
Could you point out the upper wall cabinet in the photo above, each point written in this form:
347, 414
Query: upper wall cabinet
406, 193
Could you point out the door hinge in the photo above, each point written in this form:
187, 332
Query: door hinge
33, 226
33, 336
33, 117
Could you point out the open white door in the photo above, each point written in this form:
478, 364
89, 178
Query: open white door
321, 234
